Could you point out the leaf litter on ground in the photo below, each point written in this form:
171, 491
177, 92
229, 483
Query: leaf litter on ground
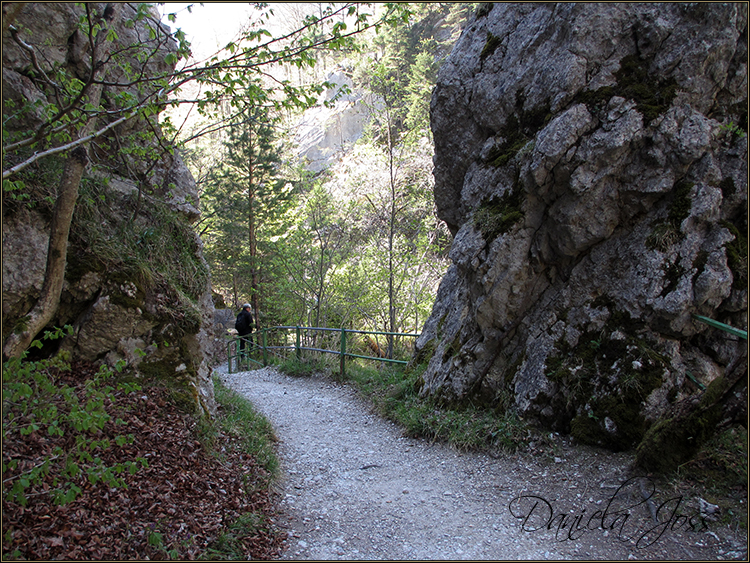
179, 506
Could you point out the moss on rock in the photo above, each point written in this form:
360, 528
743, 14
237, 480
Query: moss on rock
605, 378
180, 383
737, 254
634, 82
681, 204
672, 273
453, 349
424, 354
519, 130
492, 43
497, 215
673, 441
667, 233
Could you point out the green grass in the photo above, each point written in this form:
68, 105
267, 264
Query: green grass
145, 245
228, 546
251, 433
394, 392
718, 473
249, 430
307, 366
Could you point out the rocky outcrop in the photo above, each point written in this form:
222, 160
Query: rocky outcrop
591, 161
137, 287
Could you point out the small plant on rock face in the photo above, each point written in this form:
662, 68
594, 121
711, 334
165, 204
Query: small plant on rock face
663, 237
666, 233
630, 381
492, 43
737, 254
732, 130
498, 215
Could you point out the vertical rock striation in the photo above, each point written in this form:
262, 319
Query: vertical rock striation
591, 162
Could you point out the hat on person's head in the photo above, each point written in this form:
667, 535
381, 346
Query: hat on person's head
246, 306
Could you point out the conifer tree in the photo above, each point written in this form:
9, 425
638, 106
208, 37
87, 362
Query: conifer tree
246, 198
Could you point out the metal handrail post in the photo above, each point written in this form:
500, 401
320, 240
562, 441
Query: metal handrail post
265, 350
342, 369
297, 345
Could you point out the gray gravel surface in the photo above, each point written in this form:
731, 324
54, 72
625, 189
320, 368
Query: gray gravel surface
353, 487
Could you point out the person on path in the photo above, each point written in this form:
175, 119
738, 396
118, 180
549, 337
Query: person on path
244, 326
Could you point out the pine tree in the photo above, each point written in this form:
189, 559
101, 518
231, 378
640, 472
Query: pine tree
246, 198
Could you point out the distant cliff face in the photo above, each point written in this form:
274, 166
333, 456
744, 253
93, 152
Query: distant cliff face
591, 161
326, 132
120, 306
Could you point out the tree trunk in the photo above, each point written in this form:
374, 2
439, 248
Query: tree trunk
254, 285
251, 236
49, 299
235, 291
391, 235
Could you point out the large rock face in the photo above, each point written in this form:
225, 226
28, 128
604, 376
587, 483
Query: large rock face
161, 327
591, 162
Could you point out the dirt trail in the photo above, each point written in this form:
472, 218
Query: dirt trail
355, 488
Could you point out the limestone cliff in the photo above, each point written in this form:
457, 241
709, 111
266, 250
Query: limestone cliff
591, 161
136, 285
325, 132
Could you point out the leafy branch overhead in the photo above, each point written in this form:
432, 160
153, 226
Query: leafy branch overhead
134, 89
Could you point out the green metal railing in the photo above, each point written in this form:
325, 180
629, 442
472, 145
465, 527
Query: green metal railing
722, 326
240, 358
263, 348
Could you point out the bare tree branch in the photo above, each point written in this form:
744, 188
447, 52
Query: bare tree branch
69, 146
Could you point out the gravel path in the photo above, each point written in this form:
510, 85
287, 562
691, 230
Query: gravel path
354, 487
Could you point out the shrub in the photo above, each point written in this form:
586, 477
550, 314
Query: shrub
42, 409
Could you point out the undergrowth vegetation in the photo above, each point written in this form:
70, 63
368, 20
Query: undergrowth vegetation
144, 243
251, 431
395, 394
719, 474
66, 421
97, 467
250, 434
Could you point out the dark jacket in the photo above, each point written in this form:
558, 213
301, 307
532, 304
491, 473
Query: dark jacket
244, 323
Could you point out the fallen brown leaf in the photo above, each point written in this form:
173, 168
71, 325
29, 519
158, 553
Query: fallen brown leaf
185, 495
